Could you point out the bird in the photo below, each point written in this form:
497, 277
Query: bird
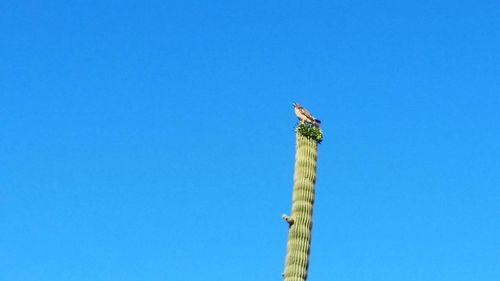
288, 219
304, 115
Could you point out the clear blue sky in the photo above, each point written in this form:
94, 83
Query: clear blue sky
156, 141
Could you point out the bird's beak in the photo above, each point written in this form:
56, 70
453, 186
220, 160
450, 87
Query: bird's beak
294, 104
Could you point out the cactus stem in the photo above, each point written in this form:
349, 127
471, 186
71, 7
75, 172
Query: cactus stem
299, 235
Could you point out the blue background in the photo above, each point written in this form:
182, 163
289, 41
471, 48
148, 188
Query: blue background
155, 141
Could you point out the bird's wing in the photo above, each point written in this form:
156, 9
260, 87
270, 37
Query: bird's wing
307, 113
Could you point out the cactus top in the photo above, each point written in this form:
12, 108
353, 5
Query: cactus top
311, 131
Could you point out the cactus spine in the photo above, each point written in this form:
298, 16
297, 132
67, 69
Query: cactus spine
300, 222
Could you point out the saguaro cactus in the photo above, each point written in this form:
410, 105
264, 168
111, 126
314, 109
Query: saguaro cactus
300, 221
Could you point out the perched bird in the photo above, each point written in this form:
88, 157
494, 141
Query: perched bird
304, 115
288, 219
